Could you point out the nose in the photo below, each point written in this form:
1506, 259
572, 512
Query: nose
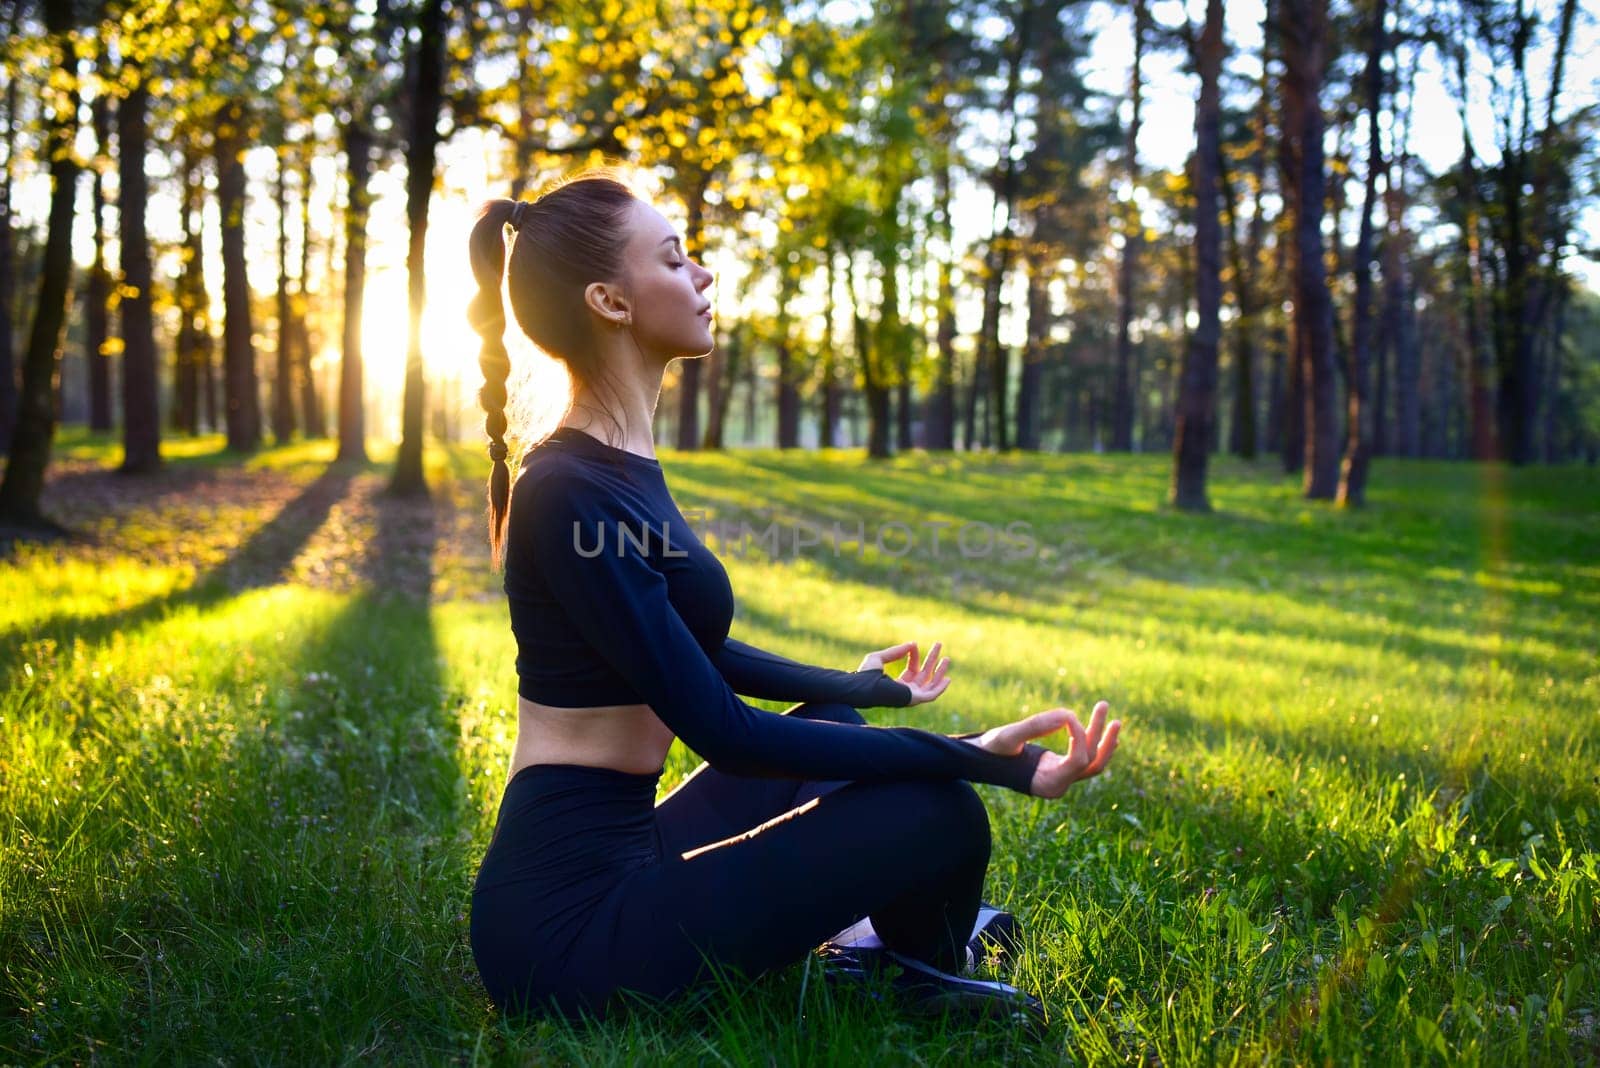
703, 277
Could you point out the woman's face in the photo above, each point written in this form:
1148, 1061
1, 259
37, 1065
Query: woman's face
670, 313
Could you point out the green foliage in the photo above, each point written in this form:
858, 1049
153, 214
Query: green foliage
245, 777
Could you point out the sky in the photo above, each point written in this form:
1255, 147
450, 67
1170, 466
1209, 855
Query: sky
470, 165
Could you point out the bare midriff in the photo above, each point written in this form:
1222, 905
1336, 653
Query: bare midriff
628, 738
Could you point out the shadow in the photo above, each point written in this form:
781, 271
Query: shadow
306, 835
261, 560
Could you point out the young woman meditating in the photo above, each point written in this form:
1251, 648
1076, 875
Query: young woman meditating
799, 825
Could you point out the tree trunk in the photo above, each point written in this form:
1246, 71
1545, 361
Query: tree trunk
689, 370
352, 409
426, 100
1122, 390
724, 373
1353, 475
830, 364
1304, 25
310, 404
189, 292
23, 481
1033, 356
8, 356
141, 420
872, 384
97, 294
240, 392
283, 378
942, 409
1197, 392
788, 395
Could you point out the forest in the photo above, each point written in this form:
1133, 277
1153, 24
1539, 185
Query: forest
944, 224
1275, 325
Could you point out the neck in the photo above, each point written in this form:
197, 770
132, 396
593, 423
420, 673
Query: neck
630, 399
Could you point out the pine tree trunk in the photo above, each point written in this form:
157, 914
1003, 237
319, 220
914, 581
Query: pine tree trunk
23, 480
352, 409
1034, 354
8, 355
1353, 475
788, 397
1305, 44
240, 390
141, 419
690, 373
97, 293
830, 373
1123, 382
311, 418
1197, 394
942, 409
421, 155
283, 377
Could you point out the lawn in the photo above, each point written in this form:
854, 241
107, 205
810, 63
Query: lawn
255, 722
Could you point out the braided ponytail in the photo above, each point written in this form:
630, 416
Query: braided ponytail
487, 314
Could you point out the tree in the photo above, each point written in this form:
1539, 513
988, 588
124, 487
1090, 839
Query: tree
1302, 26
1353, 474
1197, 393
141, 421
35, 428
1122, 395
426, 80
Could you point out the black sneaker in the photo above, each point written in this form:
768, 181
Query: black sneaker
923, 990
996, 938
997, 935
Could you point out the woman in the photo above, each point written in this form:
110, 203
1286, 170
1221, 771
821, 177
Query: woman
799, 824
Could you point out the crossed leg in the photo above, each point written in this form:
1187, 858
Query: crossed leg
755, 873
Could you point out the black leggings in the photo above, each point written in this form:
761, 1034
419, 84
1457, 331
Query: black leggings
589, 888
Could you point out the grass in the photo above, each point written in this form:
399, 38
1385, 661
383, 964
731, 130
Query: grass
255, 724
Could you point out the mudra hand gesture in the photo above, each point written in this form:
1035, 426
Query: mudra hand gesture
1088, 751
927, 679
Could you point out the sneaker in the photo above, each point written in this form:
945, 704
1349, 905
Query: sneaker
996, 935
923, 990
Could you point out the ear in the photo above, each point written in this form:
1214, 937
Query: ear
607, 300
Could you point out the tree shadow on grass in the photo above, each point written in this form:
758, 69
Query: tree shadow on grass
316, 901
261, 560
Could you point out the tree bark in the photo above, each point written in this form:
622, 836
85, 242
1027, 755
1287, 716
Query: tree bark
1304, 28
311, 418
942, 406
788, 399
23, 481
283, 377
421, 154
1034, 354
352, 409
689, 372
240, 390
1122, 390
189, 292
1197, 392
141, 419
1353, 475
831, 408
97, 293
8, 355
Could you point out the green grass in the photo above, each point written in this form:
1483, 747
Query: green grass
254, 727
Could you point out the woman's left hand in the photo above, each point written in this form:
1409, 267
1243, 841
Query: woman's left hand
926, 679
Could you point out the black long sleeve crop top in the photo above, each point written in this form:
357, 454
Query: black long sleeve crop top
614, 600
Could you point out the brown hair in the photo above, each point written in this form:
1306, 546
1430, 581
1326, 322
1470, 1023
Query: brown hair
570, 235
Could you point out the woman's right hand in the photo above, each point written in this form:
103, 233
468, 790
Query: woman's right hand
1088, 752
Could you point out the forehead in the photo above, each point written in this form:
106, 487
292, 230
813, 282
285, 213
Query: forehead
650, 227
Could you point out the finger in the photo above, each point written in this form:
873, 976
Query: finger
1097, 724
933, 657
1078, 751
1108, 746
911, 658
1035, 726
